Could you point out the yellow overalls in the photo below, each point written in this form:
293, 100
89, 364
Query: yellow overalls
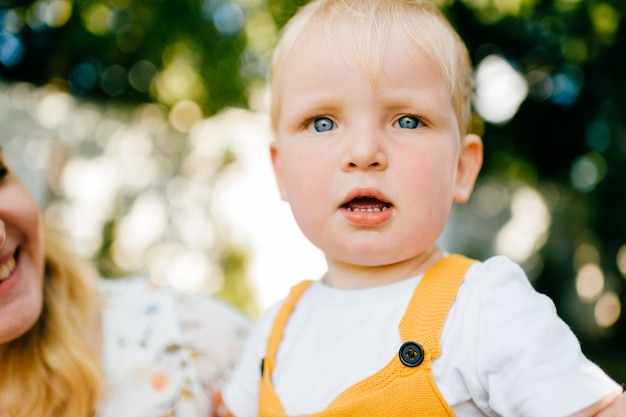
405, 386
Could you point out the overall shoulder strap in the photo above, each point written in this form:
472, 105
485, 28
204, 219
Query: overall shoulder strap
431, 301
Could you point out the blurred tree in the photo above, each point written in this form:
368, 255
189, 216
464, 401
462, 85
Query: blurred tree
562, 146
133, 51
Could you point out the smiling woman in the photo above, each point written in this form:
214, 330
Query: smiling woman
20, 240
98, 347
36, 352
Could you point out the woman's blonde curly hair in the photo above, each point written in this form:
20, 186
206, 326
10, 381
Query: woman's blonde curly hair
54, 370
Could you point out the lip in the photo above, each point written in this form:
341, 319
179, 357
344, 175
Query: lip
365, 193
364, 217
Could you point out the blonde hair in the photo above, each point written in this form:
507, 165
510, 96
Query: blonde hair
370, 23
54, 369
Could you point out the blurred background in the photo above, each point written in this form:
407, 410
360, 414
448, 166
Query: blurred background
141, 127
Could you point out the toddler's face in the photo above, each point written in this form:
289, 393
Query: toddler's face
370, 169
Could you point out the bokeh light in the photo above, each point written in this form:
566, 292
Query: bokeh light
227, 16
589, 282
96, 18
11, 49
586, 254
179, 79
566, 85
141, 74
55, 13
525, 232
587, 171
53, 108
500, 89
83, 77
140, 228
185, 115
605, 19
608, 309
114, 80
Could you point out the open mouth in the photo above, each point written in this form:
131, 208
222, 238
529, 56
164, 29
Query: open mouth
366, 204
7, 268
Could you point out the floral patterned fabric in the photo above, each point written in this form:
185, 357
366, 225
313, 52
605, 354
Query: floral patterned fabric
165, 353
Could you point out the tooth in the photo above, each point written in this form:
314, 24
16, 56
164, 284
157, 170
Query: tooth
7, 269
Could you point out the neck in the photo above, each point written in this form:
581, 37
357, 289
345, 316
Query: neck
350, 276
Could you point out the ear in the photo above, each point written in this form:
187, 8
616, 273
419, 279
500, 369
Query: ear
469, 164
278, 174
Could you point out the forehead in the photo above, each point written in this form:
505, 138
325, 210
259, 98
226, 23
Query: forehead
323, 54
359, 32
316, 77
317, 51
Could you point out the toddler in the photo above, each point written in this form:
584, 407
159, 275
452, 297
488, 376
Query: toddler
371, 112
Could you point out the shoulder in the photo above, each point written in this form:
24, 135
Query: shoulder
497, 279
497, 296
498, 268
515, 351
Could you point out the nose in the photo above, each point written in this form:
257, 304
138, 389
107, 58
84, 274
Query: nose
364, 150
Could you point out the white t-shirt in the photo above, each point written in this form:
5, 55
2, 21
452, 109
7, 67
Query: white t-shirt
505, 352
164, 353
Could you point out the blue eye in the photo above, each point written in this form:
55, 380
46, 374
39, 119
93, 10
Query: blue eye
323, 124
408, 122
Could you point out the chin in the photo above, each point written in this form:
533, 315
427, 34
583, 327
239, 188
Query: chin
17, 318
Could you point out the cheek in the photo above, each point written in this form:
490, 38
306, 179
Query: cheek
305, 172
308, 186
431, 169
